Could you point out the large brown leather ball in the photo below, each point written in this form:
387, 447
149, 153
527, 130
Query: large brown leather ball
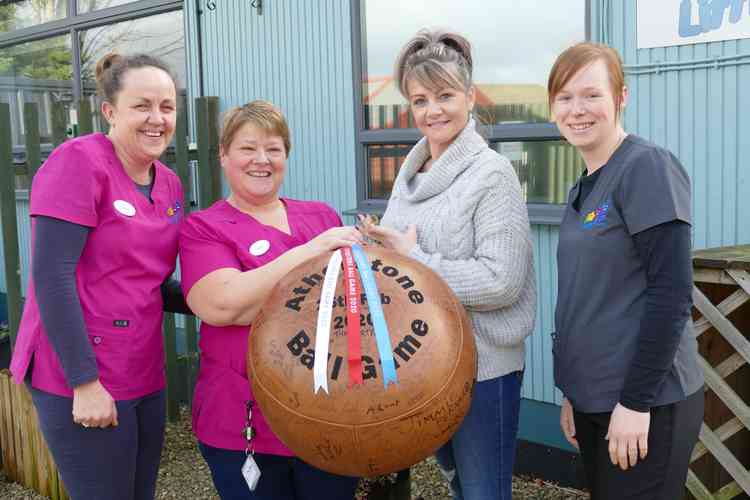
366, 429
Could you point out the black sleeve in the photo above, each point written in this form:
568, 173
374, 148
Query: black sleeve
173, 298
665, 252
57, 248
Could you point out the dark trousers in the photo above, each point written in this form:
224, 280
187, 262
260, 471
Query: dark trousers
281, 478
672, 435
114, 463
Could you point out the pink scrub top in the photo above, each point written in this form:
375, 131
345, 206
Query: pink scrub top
130, 250
216, 238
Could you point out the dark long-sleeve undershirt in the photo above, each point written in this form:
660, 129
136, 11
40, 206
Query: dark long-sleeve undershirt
664, 250
58, 245
57, 248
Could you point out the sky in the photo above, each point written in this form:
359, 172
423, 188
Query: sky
514, 41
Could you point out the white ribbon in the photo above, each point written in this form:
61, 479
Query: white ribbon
323, 335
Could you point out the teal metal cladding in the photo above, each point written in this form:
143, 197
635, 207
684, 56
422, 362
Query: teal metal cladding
702, 115
538, 382
297, 54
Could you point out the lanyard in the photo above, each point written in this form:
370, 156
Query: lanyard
249, 431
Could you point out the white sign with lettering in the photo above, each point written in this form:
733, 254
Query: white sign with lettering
664, 23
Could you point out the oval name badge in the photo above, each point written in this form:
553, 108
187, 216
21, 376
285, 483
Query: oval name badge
259, 247
124, 208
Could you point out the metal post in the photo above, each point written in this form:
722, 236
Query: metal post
9, 225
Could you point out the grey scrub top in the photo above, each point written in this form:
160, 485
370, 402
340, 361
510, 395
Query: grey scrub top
602, 281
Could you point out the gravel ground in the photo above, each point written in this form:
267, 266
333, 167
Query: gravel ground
184, 475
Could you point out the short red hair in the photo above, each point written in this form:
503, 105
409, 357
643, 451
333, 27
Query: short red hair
579, 56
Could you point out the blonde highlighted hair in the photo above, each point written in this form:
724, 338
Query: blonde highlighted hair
436, 60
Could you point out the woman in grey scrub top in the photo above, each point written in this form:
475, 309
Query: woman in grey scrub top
624, 349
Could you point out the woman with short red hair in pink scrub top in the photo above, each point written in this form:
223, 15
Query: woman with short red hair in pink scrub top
106, 216
231, 256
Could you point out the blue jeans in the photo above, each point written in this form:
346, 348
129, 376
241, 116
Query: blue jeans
478, 460
281, 478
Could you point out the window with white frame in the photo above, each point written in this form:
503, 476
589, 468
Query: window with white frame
514, 45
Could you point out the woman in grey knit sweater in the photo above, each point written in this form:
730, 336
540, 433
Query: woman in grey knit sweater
457, 207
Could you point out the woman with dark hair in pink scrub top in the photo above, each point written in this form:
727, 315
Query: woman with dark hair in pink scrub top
231, 256
106, 216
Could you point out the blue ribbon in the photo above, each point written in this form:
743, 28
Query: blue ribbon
382, 336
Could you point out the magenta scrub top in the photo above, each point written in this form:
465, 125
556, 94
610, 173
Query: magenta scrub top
221, 237
130, 250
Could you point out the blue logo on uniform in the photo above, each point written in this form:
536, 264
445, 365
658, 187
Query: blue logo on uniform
596, 217
174, 212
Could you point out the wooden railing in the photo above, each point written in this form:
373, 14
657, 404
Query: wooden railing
719, 464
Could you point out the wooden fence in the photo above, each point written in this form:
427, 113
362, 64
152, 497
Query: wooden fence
719, 464
24, 455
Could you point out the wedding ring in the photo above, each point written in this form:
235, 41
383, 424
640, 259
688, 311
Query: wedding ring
85, 424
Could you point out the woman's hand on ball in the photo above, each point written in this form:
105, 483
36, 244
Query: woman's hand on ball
334, 238
401, 242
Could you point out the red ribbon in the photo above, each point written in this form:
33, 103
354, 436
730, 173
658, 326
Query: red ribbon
352, 291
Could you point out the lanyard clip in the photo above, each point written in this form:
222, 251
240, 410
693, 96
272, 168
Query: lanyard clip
248, 433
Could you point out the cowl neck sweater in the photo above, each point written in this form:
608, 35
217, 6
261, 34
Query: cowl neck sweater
455, 160
473, 231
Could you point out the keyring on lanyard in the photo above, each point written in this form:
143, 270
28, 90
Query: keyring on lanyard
249, 431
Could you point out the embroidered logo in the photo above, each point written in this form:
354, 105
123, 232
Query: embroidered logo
596, 217
174, 212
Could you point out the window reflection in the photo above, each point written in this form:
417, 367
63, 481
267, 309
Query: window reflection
383, 162
22, 14
90, 5
39, 72
161, 36
513, 43
546, 170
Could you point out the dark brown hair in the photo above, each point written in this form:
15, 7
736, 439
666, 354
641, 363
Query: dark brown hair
437, 60
111, 70
261, 114
579, 56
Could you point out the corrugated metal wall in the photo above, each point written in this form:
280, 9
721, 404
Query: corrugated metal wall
538, 383
701, 115
297, 54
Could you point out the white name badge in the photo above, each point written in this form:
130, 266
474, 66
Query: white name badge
124, 208
259, 247
251, 472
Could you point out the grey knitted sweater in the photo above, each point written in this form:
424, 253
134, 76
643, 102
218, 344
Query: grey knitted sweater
473, 230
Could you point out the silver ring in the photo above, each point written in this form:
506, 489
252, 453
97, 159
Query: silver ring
85, 425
